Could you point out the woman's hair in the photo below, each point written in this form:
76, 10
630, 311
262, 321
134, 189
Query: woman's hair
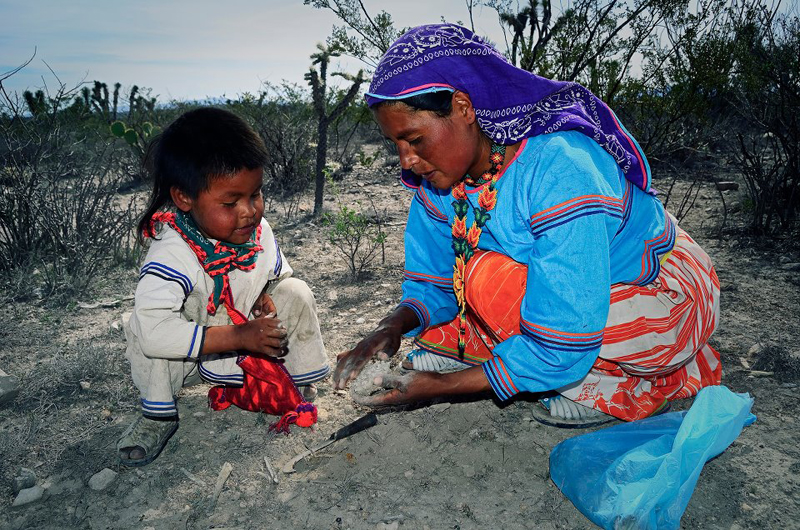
440, 103
200, 145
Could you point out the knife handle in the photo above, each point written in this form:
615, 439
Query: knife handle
364, 422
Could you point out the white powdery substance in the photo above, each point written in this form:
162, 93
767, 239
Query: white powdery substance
365, 383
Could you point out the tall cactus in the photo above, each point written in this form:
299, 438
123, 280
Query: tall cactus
319, 93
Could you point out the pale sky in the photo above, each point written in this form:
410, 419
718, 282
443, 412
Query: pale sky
187, 49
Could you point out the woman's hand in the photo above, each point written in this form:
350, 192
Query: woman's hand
403, 389
420, 386
384, 341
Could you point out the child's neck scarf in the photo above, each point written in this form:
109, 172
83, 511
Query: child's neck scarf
217, 259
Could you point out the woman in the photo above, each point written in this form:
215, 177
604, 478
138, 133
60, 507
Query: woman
537, 257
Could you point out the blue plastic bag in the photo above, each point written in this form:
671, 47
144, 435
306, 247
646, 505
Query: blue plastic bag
642, 474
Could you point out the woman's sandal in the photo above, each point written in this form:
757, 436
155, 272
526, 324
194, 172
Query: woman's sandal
558, 411
425, 361
148, 435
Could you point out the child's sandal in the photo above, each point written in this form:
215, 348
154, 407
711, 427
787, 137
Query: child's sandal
149, 435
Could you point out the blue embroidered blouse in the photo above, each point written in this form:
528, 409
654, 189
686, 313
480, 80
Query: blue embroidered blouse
565, 210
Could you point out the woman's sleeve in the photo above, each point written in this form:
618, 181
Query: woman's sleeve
157, 323
573, 214
429, 259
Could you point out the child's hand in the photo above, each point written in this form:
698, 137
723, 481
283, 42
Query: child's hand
264, 306
265, 335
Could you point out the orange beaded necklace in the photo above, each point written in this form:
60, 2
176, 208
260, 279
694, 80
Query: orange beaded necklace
465, 242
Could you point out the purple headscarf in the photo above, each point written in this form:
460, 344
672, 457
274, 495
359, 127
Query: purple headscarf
510, 103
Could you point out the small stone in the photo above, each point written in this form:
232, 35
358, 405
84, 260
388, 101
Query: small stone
28, 495
408, 474
360, 320
85, 385
746, 507
755, 349
440, 407
727, 186
116, 326
333, 296
394, 525
198, 414
25, 479
102, 479
9, 388
469, 471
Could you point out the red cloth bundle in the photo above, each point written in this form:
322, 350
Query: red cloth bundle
269, 388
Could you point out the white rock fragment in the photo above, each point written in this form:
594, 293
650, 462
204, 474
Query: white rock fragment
364, 384
28, 495
360, 320
26, 478
9, 387
102, 479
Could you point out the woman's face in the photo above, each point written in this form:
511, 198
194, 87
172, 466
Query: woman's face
440, 150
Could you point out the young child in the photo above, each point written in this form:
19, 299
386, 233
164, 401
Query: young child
212, 261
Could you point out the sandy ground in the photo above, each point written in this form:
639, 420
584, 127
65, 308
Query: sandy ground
459, 465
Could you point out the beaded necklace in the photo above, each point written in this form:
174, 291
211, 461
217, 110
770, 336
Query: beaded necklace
465, 242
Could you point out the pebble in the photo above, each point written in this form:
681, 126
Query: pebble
408, 474
333, 296
28, 495
102, 479
727, 186
360, 320
394, 525
116, 326
85, 385
26, 478
9, 388
199, 414
746, 507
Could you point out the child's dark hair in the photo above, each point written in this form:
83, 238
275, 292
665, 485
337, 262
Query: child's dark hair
201, 144
440, 103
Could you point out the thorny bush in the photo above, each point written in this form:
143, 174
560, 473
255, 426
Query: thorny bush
61, 221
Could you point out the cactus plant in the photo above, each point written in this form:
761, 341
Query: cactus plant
136, 139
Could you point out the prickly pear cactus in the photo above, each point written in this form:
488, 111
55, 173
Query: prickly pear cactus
118, 129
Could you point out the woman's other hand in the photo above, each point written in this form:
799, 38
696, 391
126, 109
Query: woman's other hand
384, 340
420, 386
403, 389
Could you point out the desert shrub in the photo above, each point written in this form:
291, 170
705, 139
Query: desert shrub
59, 213
766, 92
282, 115
357, 238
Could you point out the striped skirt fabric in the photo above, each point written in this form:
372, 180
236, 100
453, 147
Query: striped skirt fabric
655, 346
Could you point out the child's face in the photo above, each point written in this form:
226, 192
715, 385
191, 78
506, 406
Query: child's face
230, 209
